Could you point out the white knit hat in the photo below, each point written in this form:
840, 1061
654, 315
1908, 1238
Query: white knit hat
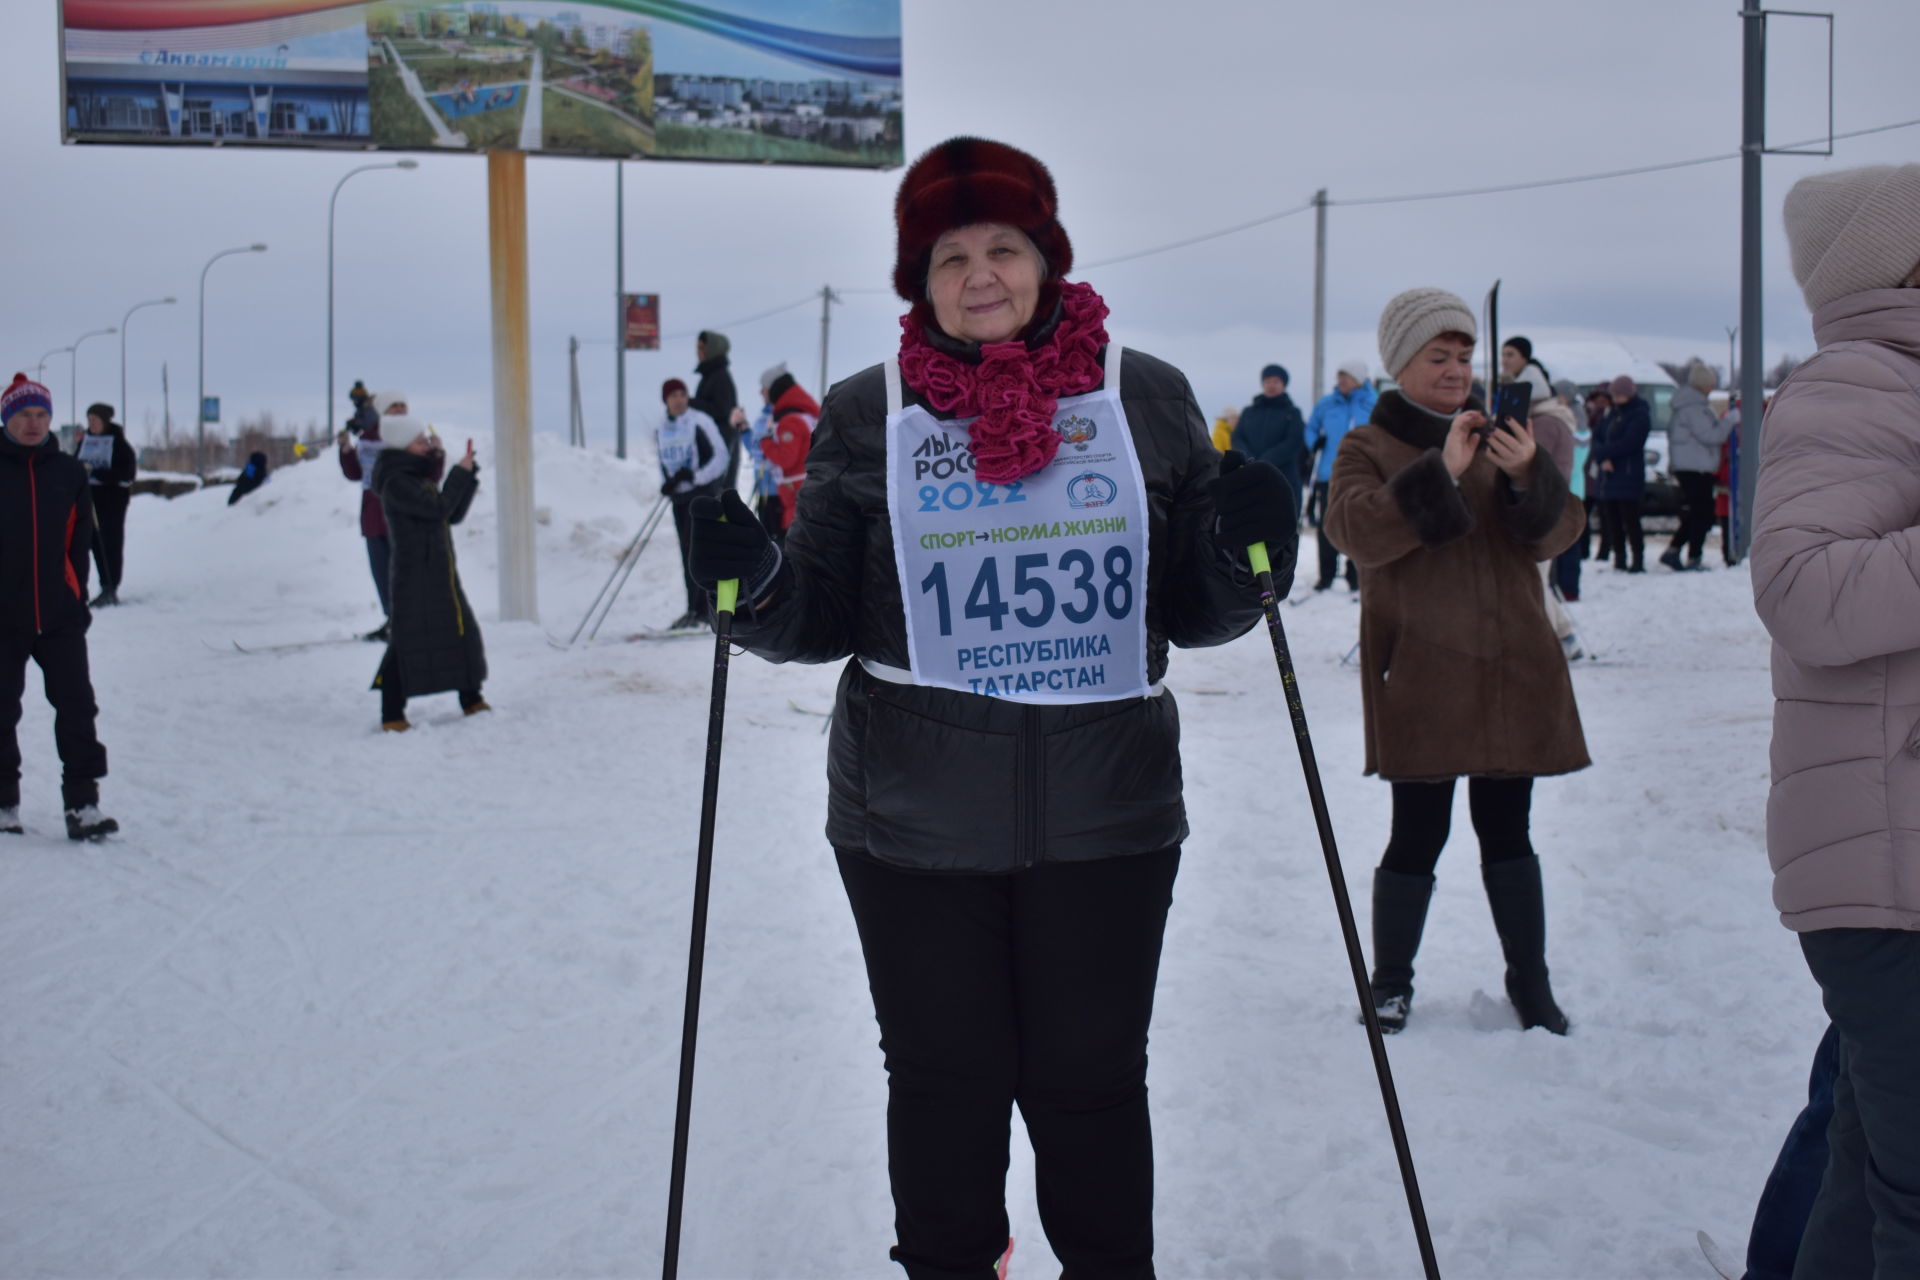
383, 401
1853, 229
770, 376
1355, 369
1417, 317
398, 432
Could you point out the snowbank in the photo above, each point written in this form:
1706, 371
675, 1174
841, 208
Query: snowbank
346, 1004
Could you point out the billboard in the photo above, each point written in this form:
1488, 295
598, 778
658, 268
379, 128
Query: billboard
770, 81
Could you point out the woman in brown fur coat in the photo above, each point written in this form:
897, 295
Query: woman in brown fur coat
1447, 516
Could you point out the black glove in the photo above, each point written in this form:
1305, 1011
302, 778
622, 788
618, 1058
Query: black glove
736, 547
1252, 502
684, 476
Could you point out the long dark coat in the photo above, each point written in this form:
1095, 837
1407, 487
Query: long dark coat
1460, 672
1621, 438
434, 644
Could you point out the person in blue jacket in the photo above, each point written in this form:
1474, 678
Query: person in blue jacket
1620, 477
1349, 404
1271, 429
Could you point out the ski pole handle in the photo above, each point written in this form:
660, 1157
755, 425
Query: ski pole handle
1257, 557
726, 595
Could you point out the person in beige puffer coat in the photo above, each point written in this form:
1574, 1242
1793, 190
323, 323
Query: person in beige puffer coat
1836, 580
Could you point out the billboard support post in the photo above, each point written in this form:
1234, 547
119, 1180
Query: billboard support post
619, 310
1319, 293
512, 389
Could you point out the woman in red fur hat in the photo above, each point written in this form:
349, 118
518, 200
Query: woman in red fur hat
1006, 526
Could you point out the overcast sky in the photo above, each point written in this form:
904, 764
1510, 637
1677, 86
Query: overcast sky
1159, 120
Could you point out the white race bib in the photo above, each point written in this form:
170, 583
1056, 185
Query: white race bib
1033, 590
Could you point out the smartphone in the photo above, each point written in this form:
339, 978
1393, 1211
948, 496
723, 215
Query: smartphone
1514, 400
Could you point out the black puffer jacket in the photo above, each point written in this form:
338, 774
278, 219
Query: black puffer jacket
935, 780
435, 640
46, 527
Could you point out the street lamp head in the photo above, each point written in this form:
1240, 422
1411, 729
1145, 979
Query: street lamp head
169, 300
256, 248
406, 164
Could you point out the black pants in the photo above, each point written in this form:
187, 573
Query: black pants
110, 536
1866, 1219
393, 696
1329, 554
380, 561
682, 529
62, 656
1034, 989
1566, 571
1423, 816
1620, 531
1696, 512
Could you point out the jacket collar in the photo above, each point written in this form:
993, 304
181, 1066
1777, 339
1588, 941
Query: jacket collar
11, 448
712, 364
1887, 316
1408, 422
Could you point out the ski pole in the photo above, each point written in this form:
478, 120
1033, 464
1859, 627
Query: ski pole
726, 595
1316, 794
626, 571
646, 526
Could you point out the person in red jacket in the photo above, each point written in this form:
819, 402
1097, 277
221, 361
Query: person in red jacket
780, 439
359, 449
46, 528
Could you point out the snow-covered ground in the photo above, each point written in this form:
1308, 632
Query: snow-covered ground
340, 1003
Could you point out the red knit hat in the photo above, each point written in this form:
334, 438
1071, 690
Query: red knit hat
24, 391
965, 181
670, 386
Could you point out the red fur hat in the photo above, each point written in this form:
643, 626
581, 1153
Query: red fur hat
965, 181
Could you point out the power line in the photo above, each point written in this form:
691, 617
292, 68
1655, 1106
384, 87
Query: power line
1211, 235
1480, 191
743, 321
1611, 173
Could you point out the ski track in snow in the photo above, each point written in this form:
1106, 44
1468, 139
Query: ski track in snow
339, 1003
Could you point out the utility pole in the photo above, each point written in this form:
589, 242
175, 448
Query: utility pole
1732, 331
827, 298
1753, 358
1319, 293
576, 421
619, 312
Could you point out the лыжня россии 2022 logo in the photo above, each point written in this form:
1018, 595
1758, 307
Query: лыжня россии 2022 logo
1091, 489
1077, 431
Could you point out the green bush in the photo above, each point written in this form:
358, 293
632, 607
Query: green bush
395, 117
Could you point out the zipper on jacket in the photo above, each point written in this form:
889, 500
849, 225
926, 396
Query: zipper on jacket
1028, 789
33, 504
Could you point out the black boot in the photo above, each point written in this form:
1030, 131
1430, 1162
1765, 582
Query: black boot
1520, 916
1399, 915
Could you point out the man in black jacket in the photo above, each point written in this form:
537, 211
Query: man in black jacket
1272, 430
46, 519
111, 463
715, 396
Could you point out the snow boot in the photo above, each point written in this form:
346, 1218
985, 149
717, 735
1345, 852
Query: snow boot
395, 726
1399, 917
88, 823
10, 822
108, 595
1520, 917
475, 707
1671, 559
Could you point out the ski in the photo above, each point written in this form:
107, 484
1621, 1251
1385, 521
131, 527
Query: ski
684, 633
293, 646
1717, 1258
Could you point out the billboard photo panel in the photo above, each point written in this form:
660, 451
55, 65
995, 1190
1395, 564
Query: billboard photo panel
751, 80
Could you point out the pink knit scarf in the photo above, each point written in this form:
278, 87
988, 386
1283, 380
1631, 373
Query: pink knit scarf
1012, 392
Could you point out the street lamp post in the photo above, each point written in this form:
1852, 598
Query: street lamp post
126, 413
200, 401
73, 370
334, 200
40, 371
